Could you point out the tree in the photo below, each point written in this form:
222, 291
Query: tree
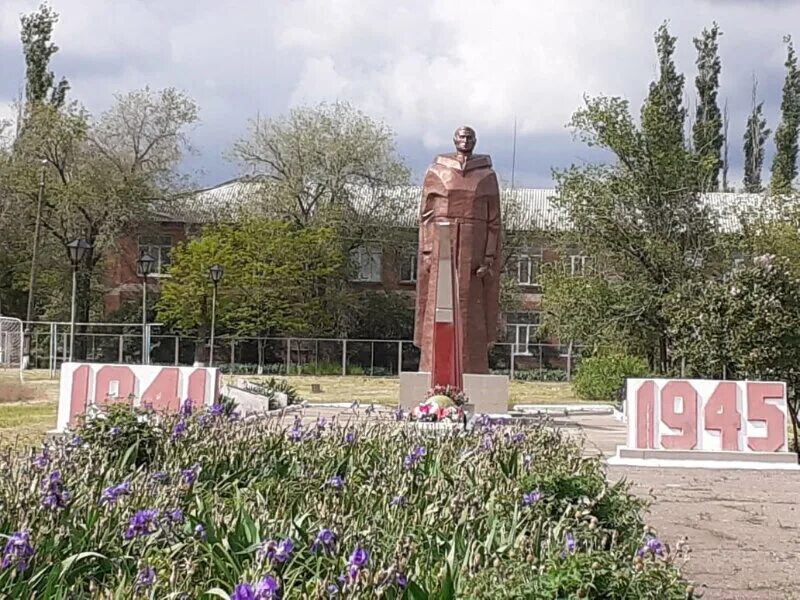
104, 174
784, 164
328, 164
639, 217
37, 31
663, 114
743, 326
276, 281
755, 137
707, 133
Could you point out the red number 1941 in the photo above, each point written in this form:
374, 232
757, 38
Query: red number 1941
676, 418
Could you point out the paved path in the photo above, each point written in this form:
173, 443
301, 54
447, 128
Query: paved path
742, 527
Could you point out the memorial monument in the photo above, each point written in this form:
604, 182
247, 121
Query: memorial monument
458, 277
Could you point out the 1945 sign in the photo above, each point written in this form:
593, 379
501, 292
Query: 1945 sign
706, 415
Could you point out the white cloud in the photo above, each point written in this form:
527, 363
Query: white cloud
423, 66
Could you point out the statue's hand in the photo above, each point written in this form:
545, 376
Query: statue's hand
485, 268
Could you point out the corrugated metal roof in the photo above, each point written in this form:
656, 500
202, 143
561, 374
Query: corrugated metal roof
525, 208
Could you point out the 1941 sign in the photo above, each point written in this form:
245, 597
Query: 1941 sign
84, 385
706, 415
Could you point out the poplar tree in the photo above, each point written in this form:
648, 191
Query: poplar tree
784, 165
707, 134
755, 137
37, 31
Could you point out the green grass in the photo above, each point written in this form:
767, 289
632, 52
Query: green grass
29, 420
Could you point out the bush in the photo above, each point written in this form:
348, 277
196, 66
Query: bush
602, 378
498, 512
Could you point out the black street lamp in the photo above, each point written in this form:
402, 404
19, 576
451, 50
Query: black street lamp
76, 251
145, 264
215, 272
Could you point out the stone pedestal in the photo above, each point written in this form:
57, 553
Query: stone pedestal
487, 393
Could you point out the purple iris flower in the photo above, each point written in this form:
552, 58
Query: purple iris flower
76, 441
569, 542
200, 531
401, 580
268, 588
217, 409
190, 475
276, 552
112, 493
399, 414
55, 495
531, 497
41, 461
179, 430
336, 482
18, 551
176, 516
114, 431
325, 540
187, 407
411, 461
518, 437
358, 560
398, 501
652, 545
143, 523
488, 443
160, 476
296, 433
145, 578
349, 437
244, 591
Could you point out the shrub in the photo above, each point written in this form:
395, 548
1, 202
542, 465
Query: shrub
602, 378
378, 511
271, 386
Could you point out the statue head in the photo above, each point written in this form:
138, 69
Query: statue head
464, 138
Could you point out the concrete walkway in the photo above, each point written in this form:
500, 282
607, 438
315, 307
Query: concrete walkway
741, 527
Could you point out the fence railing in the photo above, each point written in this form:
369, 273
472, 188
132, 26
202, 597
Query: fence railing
123, 343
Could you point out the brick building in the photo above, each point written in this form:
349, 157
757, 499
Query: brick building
533, 210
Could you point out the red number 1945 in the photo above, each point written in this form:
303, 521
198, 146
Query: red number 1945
679, 408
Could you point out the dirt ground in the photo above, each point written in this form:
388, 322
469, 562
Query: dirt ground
742, 526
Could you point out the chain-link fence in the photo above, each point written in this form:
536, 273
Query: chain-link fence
11, 342
123, 343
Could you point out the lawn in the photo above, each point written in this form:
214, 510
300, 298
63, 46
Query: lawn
28, 410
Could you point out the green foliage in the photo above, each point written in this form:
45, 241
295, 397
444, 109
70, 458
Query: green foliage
271, 386
602, 378
784, 163
463, 521
640, 218
276, 279
37, 31
380, 315
707, 132
755, 137
122, 433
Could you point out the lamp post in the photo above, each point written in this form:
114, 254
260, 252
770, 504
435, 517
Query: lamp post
215, 272
76, 251
145, 264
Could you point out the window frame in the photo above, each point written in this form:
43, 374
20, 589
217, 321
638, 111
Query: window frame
368, 252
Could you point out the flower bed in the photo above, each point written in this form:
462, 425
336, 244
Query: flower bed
210, 506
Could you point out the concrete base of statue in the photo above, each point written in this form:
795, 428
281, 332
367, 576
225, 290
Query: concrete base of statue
488, 394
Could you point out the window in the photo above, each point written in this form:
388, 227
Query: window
160, 248
527, 268
367, 262
577, 264
408, 266
738, 259
521, 331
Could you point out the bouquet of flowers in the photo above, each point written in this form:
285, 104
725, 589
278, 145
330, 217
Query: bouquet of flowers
442, 403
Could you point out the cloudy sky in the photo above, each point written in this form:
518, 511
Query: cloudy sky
423, 66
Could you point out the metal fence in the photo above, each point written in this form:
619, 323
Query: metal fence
123, 343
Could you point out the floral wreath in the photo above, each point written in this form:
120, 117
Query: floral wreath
442, 403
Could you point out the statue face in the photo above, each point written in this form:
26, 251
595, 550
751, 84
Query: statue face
465, 140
